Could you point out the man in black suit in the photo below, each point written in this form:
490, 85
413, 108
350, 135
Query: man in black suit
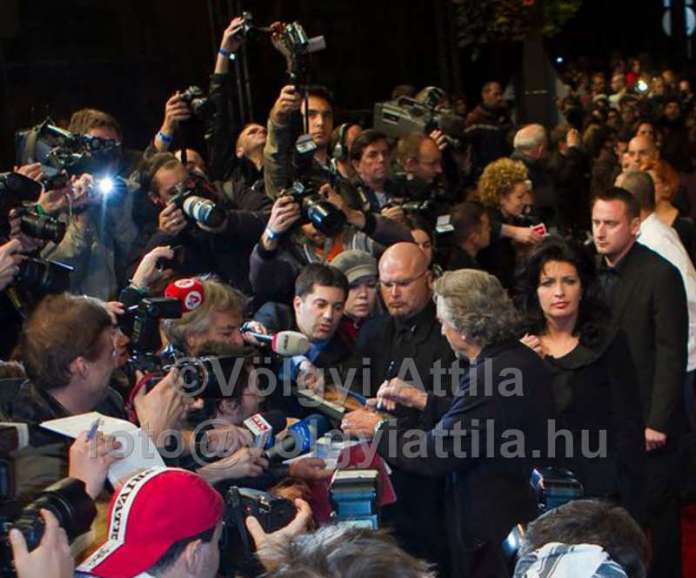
407, 346
465, 439
648, 301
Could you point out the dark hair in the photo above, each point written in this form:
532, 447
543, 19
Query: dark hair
592, 522
319, 274
172, 554
619, 194
320, 91
85, 119
365, 139
641, 186
592, 314
466, 219
344, 552
61, 329
149, 169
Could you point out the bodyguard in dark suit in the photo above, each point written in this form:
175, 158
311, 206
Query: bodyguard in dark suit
648, 301
407, 346
505, 395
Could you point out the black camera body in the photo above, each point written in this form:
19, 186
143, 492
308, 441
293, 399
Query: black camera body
199, 104
325, 216
141, 324
195, 197
67, 500
205, 377
236, 546
19, 192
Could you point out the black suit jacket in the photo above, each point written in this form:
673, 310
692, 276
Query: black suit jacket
487, 492
649, 304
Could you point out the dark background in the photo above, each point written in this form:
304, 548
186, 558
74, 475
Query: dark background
128, 56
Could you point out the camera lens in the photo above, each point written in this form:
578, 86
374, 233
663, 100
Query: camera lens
42, 227
204, 211
326, 217
44, 276
68, 501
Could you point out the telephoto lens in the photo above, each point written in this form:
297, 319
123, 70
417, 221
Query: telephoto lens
68, 501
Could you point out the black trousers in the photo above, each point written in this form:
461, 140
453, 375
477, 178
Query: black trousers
663, 519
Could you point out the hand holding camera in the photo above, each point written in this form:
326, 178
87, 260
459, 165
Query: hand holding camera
52, 557
233, 36
172, 220
162, 408
289, 102
150, 269
10, 258
175, 111
284, 214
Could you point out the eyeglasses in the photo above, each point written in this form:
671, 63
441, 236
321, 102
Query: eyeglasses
401, 284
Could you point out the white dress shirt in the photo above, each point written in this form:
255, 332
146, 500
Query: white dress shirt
655, 235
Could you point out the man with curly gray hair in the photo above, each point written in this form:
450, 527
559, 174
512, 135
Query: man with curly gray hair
486, 440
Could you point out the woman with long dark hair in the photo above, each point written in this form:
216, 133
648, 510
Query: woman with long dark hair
595, 383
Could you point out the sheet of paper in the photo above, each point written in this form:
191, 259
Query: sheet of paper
136, 446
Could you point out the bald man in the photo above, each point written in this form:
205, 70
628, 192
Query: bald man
406, 345
531, 147
640, 149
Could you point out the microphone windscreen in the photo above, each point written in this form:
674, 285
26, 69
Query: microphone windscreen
188, 291
276, 419
289, 343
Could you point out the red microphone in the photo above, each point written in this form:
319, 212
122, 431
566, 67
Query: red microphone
189, 292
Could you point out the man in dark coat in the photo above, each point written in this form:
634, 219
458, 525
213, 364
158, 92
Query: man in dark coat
648, 301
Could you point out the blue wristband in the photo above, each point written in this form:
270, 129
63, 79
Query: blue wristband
226, 53
164, 137
271, 234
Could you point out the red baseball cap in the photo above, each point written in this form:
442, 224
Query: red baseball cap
153, 510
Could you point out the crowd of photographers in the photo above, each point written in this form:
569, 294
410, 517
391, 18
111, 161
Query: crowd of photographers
301, 275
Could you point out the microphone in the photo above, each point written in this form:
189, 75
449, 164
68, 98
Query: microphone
301, 439
189, 292
263, 426
285, 343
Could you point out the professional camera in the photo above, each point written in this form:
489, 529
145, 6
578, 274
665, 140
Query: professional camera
206, 377
236, 546
141, 324
405, 115
325, 216
19, 192
353, 495
199, 104
43, 277
555, 487
194, 196
292, 42
66, 499
59, 150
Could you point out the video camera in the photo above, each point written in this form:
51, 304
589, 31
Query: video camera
60, 150
66, 499
405, 115
195, 197
236, 546
292, 42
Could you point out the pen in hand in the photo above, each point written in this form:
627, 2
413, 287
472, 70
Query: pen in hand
94, 428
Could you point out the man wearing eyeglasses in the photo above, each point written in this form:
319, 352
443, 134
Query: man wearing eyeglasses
406, 345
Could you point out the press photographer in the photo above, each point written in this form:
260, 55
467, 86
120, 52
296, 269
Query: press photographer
213, 239
286, 246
